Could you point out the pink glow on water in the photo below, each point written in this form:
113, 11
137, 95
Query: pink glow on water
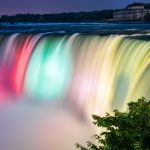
22, 62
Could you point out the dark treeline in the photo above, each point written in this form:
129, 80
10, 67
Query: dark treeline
61, 17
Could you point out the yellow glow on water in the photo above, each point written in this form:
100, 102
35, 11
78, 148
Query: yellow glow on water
108, 72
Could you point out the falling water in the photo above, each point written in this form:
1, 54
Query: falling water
54, 83
92, 74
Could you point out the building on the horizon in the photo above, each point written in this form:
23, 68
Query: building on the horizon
133, 12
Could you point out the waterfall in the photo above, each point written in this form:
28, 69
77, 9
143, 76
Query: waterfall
93, 74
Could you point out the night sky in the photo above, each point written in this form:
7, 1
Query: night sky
53, 6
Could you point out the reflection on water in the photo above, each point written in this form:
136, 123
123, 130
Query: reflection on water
71, 28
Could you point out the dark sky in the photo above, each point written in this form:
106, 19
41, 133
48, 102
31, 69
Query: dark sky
53, 6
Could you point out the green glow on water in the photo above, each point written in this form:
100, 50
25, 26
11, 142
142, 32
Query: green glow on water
49, 69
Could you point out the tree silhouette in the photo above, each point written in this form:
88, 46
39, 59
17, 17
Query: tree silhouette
124, 130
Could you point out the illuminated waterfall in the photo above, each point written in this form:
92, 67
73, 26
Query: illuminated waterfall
92, 73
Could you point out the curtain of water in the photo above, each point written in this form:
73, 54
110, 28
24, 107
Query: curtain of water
94, 74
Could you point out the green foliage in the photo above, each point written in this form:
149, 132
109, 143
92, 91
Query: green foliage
124, 130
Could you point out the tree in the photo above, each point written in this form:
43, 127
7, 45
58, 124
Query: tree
147, 17
124, 130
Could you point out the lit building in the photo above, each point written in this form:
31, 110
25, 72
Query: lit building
133, 12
